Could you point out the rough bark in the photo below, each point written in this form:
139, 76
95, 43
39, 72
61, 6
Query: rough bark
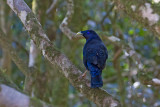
98, 96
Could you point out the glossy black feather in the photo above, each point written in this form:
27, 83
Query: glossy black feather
94, 57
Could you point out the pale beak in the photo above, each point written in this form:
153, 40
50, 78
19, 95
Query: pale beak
79, 33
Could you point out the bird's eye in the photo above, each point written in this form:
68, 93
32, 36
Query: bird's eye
88, 32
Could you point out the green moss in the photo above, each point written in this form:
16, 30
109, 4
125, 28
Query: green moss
52, 52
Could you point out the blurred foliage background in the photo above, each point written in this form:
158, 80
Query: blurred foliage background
134, 53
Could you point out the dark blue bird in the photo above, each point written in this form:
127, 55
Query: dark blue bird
94, 56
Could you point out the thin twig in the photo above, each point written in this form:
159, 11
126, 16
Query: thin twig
54, 2
64, 25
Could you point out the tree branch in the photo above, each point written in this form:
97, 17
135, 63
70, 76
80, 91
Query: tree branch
54, 2
33, 53
64, 25
10, 97
116, 64
98, 96
143, 12
5, 43
28, 72
6, 59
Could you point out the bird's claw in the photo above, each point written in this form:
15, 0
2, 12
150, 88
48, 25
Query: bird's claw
84, 74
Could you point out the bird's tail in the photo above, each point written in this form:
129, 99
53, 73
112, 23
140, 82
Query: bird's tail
96, 78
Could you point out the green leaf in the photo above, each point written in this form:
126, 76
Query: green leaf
131, 32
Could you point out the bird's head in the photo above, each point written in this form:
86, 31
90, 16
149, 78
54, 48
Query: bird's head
88, 34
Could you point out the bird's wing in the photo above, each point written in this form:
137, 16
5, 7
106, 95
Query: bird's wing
102, 55
97, 55
89, 56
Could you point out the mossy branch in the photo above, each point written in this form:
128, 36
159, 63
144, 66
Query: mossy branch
98, 96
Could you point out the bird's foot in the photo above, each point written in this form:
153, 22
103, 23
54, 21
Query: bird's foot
84, 74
